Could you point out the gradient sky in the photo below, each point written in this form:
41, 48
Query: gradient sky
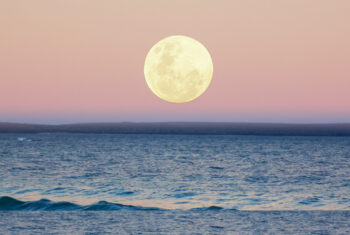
82, 61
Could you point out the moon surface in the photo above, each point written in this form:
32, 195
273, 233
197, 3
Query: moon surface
178, 69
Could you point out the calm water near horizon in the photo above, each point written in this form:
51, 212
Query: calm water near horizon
174, 183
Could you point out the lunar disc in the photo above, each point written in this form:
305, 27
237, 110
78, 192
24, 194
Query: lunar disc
178, 69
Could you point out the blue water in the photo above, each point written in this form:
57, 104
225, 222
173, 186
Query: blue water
211, 183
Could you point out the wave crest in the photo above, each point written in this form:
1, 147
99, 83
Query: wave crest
9, 203
12, 204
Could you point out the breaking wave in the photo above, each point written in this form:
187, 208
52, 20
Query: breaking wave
12, 204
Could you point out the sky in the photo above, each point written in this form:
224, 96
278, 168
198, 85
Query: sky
68, 61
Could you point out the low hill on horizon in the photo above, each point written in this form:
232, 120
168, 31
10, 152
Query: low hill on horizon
200, 128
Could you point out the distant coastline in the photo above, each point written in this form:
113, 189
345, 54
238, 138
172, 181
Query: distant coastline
195, 128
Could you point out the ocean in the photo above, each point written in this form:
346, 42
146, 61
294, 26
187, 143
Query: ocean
69, 183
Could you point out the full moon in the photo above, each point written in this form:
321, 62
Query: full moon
178, 69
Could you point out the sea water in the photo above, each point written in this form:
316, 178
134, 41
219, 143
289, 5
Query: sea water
182, 184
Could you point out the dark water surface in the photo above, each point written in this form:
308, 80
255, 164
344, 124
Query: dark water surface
175, 222
180, 183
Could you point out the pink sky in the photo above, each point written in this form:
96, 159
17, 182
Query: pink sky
82, 61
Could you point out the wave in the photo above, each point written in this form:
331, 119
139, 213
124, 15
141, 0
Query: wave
12, 204
210, 208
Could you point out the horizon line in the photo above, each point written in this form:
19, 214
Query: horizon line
187, 122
